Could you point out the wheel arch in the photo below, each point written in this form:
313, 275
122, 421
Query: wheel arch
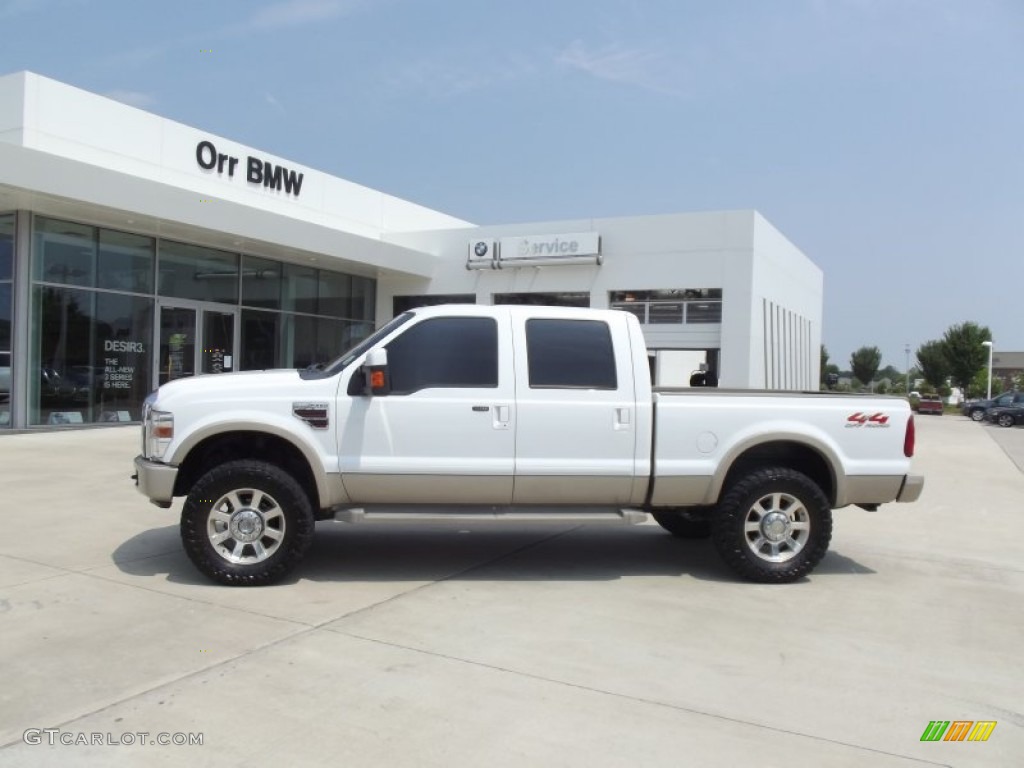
800, 454
204, 451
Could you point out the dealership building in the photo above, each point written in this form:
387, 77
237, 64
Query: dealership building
135, 250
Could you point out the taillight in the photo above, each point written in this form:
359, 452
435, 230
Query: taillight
908, 438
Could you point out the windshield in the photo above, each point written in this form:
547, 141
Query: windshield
336, 365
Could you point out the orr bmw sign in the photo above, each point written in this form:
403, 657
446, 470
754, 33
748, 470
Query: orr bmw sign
535, 251
257, 171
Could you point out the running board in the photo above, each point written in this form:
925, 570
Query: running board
601, 515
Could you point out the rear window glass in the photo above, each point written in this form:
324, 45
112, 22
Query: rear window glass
573, 354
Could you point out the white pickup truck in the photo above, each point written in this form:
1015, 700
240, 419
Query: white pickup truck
512, 413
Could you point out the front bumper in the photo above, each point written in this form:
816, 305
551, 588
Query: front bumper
155, 480
912, 487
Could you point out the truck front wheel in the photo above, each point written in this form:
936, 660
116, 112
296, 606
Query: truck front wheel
246, 523
773, 526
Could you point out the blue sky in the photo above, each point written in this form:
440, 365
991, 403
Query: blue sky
885, 138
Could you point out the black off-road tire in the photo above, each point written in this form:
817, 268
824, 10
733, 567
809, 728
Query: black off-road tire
683, 523
260, 504
755, 510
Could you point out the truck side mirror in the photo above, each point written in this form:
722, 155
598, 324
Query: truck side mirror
375, 372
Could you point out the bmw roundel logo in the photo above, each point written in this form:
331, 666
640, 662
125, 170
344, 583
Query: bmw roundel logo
480, 249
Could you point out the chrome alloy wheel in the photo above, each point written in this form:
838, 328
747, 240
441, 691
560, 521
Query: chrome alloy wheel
777, 527
245, 526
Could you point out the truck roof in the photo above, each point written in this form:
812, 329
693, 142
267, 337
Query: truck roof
519, 310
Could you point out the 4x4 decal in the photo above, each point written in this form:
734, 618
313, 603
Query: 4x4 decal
867, 420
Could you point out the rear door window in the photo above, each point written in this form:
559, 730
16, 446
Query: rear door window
573, 354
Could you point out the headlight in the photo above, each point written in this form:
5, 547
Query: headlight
157, 431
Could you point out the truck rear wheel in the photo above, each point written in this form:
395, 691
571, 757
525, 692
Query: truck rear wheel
246, 523
684, 523
773, 526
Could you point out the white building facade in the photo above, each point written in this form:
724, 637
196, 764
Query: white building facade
134, 250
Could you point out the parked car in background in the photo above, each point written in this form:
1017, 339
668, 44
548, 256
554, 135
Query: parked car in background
930, 404
976, 409
84, 381
1006, 415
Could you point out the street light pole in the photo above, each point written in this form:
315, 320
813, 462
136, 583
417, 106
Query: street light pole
989, 345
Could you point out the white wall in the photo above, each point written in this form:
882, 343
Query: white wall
786, 307
66, 152
69, 122
692, 250
737, 251
12, 108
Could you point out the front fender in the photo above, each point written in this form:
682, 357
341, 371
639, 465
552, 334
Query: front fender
287, 429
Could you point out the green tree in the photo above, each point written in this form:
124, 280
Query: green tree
931, 357
964, 353
865, 362
978, 385
826, 368
888, 373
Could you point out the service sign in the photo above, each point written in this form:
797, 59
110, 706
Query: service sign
551, 247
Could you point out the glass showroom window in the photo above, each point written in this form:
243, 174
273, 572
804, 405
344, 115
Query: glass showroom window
197, 273
64, 252
6, 315
261, 282
671, 307
261, 340
92, 324
300, 289
311, 341
364, 300
124, 262
305, 316
92, 356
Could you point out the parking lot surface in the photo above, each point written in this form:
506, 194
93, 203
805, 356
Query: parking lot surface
508, 645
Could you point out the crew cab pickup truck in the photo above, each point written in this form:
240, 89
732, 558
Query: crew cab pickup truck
512, 413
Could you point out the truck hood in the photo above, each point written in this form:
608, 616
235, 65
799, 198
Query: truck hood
236, 386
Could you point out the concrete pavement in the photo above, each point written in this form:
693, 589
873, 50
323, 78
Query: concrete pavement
500, 645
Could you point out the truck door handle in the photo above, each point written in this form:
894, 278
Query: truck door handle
622, 417
481, 408
501, 416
